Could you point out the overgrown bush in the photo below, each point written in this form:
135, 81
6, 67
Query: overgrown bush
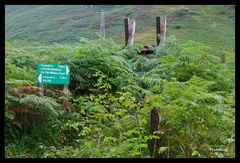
113, 90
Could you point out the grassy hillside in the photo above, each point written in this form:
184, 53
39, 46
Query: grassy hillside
213, 25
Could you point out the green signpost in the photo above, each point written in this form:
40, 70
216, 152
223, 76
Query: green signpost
53, 74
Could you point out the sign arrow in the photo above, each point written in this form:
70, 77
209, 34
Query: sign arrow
67, 70
40, 78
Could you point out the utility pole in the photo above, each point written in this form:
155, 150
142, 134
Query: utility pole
102, 26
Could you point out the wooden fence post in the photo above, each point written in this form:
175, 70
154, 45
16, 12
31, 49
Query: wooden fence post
126, 31
165, 28
154, 144
129, 25
158, 22
131, 32
161, 29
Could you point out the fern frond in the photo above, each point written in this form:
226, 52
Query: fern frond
44, 103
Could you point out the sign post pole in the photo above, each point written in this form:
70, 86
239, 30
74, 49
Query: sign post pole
65, 88
41, 89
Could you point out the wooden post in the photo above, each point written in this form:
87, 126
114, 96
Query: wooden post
66, 102
126, 21
165, 28
158, 23
41, 90
154, 144
161, 29
131, 32
65, 89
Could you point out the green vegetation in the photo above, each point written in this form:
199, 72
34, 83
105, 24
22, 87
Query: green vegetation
190, 80
112, 91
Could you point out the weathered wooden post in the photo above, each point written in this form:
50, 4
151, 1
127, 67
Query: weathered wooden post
165, 28
158, 22
154, 144
126, 31
41, 89
65, 89
66, 101
161, 29
129, 31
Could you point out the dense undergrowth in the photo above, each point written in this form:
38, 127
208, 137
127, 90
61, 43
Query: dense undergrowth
112, 91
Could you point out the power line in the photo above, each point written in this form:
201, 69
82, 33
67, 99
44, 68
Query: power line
102, 25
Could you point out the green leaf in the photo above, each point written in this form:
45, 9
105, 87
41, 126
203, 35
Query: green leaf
88, 143
153, 137
158, 132
9, 115
162, 149
195, 153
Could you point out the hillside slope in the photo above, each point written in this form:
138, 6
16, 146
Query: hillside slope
213, 25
